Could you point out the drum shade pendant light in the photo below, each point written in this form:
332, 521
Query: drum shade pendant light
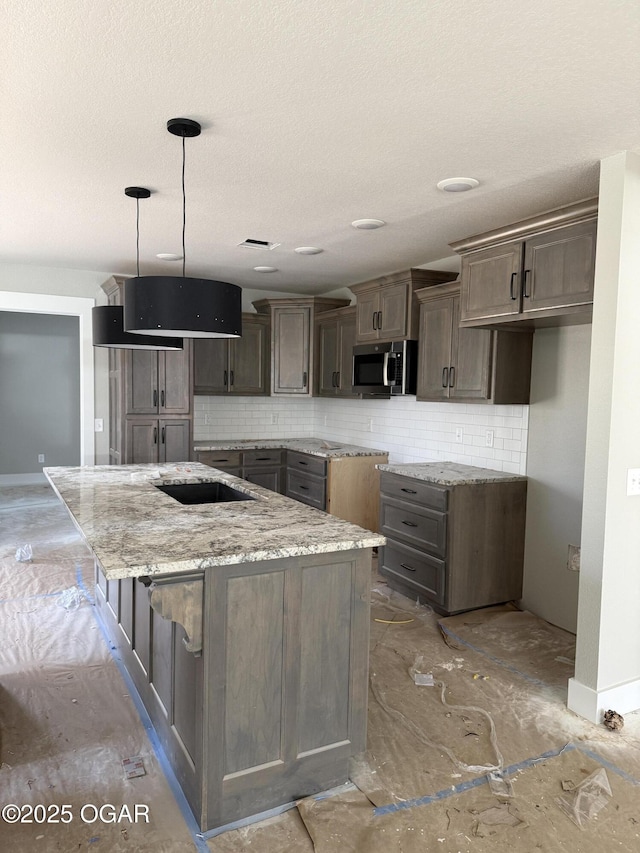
108, 320
187, 307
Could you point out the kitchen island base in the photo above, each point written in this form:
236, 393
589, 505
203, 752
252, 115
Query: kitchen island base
270, 704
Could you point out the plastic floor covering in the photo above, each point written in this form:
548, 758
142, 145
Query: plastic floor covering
470, 744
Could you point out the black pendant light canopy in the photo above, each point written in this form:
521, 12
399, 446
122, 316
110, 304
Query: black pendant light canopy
167, 306
108, 320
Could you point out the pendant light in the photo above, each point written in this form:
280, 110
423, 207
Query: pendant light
188, 307
108, 320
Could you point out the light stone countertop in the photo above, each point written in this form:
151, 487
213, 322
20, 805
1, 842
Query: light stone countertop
451, 473
134, 529
314, 446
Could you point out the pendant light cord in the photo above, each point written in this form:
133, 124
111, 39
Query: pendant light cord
138, 237
184, 210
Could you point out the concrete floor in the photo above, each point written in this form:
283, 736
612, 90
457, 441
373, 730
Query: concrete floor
498, 702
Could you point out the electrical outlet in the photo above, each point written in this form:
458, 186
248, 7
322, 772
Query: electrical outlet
98, 425
633, 481
459, 434
489, 438
40, 457
370, 424
573, 561
207, 420
274, 418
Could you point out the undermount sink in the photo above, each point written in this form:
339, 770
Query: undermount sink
204, 493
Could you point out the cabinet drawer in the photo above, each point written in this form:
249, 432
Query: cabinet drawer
223, 459
421, 527
254, 458
306, 488
426, 574
305, 462
408, 489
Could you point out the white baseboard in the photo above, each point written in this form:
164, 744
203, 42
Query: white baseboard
21, 479
591, 704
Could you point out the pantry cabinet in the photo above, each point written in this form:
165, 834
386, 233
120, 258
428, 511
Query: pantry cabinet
461, 364
386, 309
537, 272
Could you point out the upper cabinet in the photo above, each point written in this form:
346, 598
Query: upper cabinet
335, 339
468, 365
234, 365
158, 382
292, 352
386, 309
538, 272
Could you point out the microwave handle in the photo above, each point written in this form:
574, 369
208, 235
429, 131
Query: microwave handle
385, 370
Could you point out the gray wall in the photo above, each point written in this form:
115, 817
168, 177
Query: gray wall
555, 467
40, 391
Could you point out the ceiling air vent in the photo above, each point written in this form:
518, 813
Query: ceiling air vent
250, 243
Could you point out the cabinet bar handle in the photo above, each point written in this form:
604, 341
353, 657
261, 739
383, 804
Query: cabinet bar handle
163, 434
524, 288
374, 318
337, 378
512, 293
263, 459
409, 491
379, 319
300, 462
452, 376
225, 379
445, 377
304, 379
231, 378
155, 435
410, 523
304, 488
155, 398
162, 398
333, 379
408, 568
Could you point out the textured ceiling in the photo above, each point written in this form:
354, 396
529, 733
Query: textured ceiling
314, 114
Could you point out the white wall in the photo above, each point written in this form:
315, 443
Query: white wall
410, 431
555, 468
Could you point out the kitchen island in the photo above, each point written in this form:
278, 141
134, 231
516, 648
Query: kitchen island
242, 621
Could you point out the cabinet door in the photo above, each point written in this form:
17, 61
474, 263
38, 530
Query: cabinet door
471, 353
434, 349
210, 366
367, 307
490, 282
248, 360
141, 372
345, 343
559, 268
141, 441
291, 353
271, 477
327, 358
174, 381
174, 440
393, 318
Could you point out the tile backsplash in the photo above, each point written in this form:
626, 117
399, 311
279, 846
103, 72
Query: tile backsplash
409, 430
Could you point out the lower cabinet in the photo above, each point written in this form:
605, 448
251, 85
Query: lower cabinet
265, 468
454, 547
307, 479
157, 440
270, 703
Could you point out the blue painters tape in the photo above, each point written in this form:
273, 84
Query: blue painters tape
81, 584
608, 765
470, 783
490, 657
193, 828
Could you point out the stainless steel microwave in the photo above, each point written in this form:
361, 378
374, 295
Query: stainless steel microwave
385, 369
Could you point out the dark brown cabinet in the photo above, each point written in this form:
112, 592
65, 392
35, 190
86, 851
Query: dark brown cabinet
234, 366
456, 547
335, 339
545, 274
292, 352
385, 307
461, 364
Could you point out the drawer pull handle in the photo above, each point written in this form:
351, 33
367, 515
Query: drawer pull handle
408, 568
410, 523
304, 488
409, 491
300, 462
263, 459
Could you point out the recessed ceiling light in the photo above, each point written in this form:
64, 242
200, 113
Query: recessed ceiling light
169, 256
308, 250
266, 269
457, 185
368, 224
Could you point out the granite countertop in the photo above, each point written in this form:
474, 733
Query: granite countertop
314, 446
451, 473
135, 529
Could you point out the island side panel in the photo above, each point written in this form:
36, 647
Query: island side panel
285, 656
